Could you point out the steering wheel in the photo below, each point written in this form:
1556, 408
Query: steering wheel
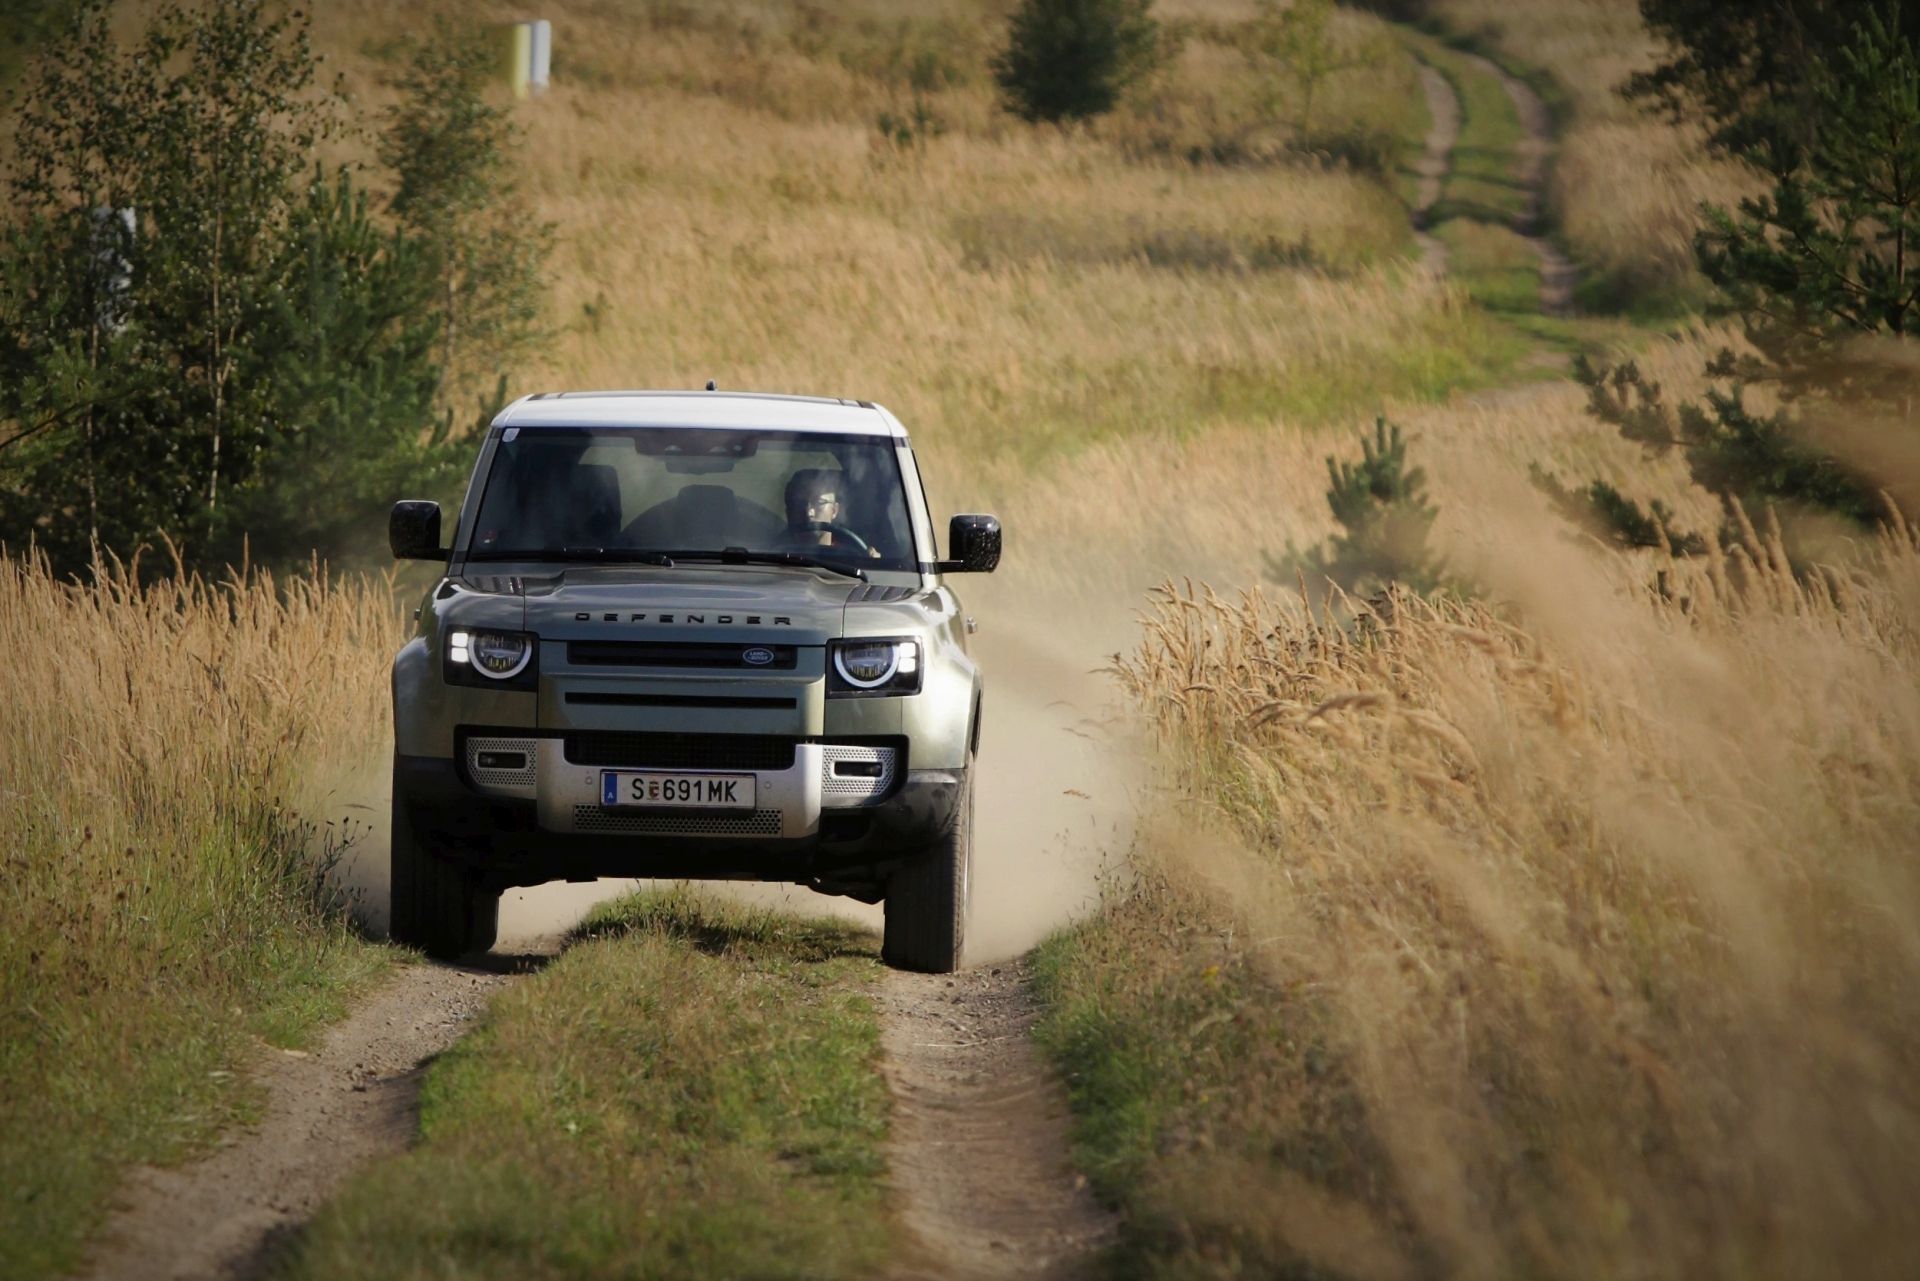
839, 532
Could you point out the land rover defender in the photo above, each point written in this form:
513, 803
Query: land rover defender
687, 634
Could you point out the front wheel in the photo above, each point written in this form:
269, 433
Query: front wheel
434, 905
929, 896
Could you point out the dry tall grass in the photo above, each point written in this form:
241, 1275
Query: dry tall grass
158, 894
1603, 905
1093, 536
730, 211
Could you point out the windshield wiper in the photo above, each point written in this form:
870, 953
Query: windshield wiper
741, 556
614, 555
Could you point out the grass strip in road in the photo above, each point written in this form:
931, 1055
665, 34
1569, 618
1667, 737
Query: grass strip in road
1500, 271
1482, 180
1498, 267
689, 1090
1207, 1103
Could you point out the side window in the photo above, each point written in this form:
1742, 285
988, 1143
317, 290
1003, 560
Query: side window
929, 530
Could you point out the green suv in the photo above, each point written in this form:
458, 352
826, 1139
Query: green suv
688, 635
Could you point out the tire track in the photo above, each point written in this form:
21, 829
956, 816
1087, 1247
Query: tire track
1436, 159
1556, 272
355, 1098
977, 1152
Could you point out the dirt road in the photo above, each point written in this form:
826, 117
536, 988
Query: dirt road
327, 1113
978, 1150
1557, 273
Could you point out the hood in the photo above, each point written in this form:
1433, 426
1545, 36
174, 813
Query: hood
693, 603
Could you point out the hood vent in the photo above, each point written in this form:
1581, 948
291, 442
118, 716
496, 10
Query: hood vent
504, 585
874, 593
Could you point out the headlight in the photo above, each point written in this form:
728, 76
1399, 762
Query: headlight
865, 668
491, 658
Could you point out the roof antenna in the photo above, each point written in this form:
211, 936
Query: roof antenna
710, 386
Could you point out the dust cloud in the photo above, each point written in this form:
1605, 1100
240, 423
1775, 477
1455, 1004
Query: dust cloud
1059, 782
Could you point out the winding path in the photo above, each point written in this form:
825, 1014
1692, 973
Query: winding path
1557, 274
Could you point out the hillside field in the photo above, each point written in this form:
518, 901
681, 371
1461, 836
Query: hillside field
1568, 930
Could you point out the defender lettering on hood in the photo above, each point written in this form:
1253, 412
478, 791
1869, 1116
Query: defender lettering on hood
747, 620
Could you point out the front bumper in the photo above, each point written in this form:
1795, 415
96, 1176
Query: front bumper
555, 830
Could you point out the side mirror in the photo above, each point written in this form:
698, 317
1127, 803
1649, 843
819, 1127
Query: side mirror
413, 531
975, 544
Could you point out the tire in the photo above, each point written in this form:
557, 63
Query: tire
435, 905
929, 896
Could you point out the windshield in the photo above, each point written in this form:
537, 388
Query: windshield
614, 493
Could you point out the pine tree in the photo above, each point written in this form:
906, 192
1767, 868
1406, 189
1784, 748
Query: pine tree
355, 383
1071, 59
1821, 271
1385, 517
202, 334
1749, 70
1299, 44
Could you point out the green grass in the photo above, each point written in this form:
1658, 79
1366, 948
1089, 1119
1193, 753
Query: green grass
1202, 1091
139, 1056
1500, 270
1480, 183
689, 1090
1661, 307
163, 850
1461, 351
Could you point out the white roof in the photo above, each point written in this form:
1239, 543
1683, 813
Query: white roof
698, 409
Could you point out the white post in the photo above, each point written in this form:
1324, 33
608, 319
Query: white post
542, 52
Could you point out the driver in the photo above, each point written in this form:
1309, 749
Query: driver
813, 513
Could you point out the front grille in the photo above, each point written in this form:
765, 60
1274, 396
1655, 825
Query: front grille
680, 751
591, 818
681, 654
730, 702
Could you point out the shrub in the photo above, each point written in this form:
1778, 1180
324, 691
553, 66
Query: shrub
1297, 44
1071, 59
1382, 506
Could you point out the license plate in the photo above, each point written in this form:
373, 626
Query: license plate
621, 789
